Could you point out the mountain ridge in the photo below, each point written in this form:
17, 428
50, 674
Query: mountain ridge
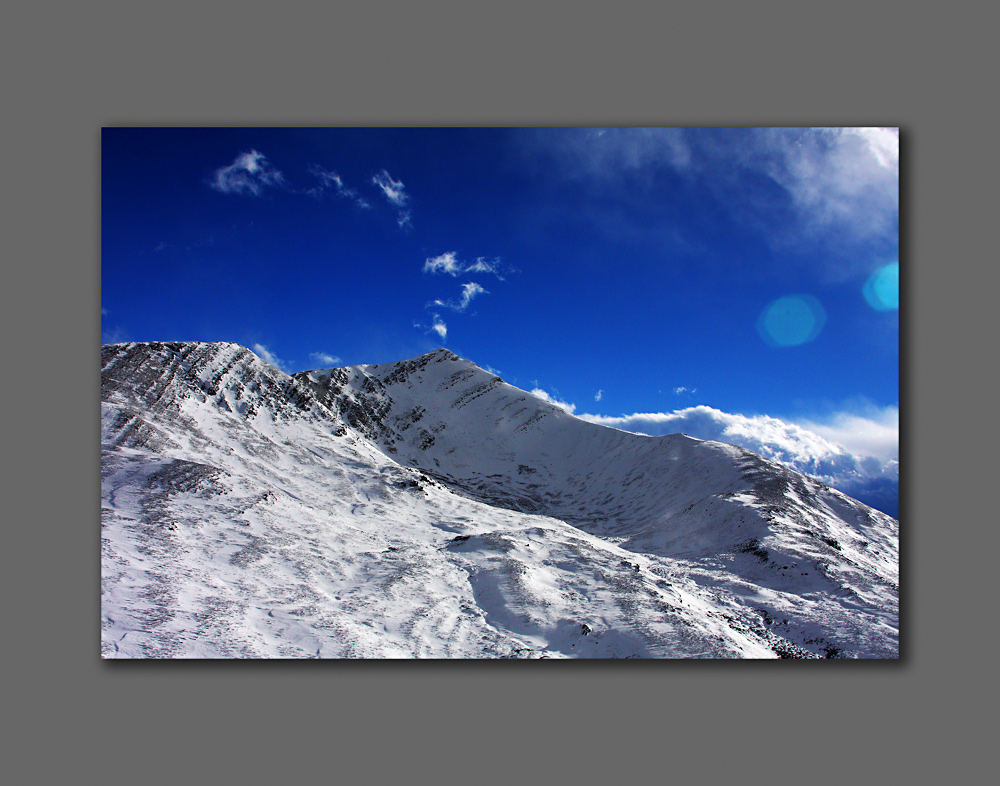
409, 441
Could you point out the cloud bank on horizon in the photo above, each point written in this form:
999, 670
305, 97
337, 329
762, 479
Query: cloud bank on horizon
857, 453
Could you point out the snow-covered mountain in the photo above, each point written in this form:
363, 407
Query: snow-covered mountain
428, 509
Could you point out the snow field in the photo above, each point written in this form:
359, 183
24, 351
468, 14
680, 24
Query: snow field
425, 509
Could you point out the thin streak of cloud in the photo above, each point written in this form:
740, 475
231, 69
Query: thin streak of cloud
599, 395
449, 263
325, 358
328, 179
395, 192
482, 265
249, 174
116, 335
470, 290
605, 153
792, 185
268, 356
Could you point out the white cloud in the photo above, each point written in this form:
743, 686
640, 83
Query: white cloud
680, 390
606, 153
328, 179
850, 450
443, 263
839, 185
437, 326
539, 393
448, 263
469, 291
481, 265
841, 180
394, 190
883, 144
250, 173
873, 432
269, 357
599, 395
325, 358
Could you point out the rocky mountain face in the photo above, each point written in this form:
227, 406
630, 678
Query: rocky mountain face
428, 509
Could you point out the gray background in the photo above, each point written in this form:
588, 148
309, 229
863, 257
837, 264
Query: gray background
68, 71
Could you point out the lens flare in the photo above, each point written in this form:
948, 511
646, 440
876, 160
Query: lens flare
882, 288
792, 320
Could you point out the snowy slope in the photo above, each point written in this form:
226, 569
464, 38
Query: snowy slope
428, 509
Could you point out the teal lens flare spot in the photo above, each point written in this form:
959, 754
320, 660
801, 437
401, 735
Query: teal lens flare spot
792, 320
882, 289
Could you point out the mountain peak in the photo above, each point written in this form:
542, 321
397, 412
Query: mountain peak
441, 354
427, 508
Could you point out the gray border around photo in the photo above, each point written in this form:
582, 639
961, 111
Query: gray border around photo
70, 70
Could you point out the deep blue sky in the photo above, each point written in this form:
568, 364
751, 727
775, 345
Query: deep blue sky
641, 263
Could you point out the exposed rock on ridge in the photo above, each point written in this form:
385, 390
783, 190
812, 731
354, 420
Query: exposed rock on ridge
463, 490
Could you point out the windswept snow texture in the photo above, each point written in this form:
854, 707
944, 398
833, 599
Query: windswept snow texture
428, 509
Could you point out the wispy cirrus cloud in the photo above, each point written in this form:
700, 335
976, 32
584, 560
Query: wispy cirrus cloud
395, 192
329, 179
444, 263
268, 356
115, 335
469, 290
249, 174
324, 358
607, 153
794, 186
437, 325
483, 265
841, 181
449, 263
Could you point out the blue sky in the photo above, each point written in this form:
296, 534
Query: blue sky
739, 284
